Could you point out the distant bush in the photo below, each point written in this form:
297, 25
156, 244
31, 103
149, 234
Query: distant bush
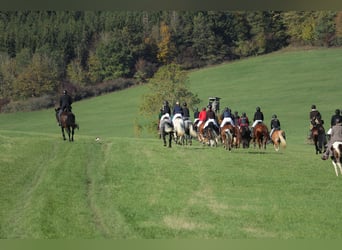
31, 104
77, 92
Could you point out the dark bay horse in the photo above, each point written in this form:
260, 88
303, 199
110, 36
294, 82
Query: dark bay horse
319, 137
245, 136
260, 135
68, 122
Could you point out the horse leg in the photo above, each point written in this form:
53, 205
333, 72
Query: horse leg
335, 167
170, 139
340, 166
63, 134
68, 131
72, 133
164, 139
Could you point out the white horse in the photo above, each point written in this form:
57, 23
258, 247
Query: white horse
336, 149
179, 130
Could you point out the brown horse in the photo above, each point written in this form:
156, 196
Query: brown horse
235, 132
227, 136
260, 135
68, 122
278, 139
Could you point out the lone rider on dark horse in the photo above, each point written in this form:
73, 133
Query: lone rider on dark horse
65, 102
315, 119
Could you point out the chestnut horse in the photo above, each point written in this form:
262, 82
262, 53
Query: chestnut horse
278, 139
227, 136
235, 133
68, 122
260, 135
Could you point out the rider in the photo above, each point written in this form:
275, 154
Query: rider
236, 117
226, 117
243, 120
275, 124
202, 117
177, 112
336, 136
166, 108
196, 113
211, 117
335, 117
315, 118
258, 117
177, 109
65, 102
186, 112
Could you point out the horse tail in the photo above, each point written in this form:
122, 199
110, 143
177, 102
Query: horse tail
168, 128
193, 132
282, 139
179, 127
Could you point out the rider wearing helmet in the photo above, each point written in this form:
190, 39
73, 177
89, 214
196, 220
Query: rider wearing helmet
186, 112
226, 117
243, 120
65, 102
315, 118
258, 117
166, 108
275, 124
211, 117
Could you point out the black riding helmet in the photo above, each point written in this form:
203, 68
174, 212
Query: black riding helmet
337, 111
257, 108
184, 104
274, 116
65, 92
313, 106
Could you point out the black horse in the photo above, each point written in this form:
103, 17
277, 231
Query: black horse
245, 136
319, 137
67, 122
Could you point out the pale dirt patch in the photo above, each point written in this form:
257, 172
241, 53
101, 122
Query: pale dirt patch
176, 222
259, 232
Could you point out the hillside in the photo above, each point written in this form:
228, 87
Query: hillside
126, 187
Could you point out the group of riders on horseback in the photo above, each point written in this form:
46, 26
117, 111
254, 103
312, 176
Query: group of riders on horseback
334, 133
207, 119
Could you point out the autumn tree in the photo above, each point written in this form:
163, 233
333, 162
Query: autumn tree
166, 48
169, 83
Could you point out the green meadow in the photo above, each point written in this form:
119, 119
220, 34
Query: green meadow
128, 186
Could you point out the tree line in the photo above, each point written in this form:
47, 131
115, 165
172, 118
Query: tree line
42, 52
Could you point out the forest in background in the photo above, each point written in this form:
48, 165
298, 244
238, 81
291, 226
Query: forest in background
94, 52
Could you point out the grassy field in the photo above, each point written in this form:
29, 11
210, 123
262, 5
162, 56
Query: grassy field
128, 187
